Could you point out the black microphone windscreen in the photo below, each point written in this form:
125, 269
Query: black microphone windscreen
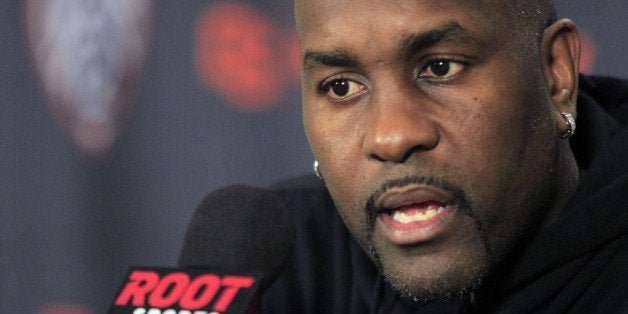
239, 228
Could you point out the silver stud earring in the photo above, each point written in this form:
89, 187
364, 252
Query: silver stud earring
316, 170
571, 125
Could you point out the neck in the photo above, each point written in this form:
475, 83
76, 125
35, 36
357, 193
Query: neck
567, 178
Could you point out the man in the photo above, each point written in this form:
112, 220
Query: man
443, 136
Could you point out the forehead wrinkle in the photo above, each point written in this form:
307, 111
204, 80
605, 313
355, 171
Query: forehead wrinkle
419, 41
449, 32
404, 45
334, 58
410, 44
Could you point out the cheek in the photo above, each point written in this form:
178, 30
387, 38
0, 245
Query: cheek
347, 185
492, 137
332, 134
335, 144
505, 142
332, 147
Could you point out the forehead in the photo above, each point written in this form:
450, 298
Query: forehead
321, 22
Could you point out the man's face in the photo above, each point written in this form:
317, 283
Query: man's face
433, 132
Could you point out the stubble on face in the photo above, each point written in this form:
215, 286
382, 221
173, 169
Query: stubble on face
480, 176
457, 280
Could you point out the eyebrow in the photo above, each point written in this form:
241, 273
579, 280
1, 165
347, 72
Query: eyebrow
410, 45
449, 32
336, 58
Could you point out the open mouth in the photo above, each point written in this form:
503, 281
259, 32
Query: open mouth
416, 212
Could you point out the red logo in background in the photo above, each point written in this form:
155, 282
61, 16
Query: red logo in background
151, 290
588, 52
242, 55
251, 62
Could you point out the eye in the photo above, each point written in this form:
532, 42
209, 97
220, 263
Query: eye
341, 89
441, 69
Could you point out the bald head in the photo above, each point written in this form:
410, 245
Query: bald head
458, 100
530, 16
524, 21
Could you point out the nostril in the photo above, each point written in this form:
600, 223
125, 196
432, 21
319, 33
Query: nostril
401, 157
374, 156
416, 149
395, 132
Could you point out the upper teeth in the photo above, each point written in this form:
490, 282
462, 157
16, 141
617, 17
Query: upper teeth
402, 217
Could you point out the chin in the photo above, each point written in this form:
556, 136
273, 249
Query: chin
425, 290
427, 277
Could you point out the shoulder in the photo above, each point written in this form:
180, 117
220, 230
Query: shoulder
610, 93
304, 194
607, 292
304, 182
300, 186
328, 272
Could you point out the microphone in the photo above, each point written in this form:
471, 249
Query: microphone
236, 244
240, 227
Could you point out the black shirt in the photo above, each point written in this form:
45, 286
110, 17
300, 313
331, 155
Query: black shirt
578, 264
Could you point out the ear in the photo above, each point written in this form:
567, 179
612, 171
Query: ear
560, 53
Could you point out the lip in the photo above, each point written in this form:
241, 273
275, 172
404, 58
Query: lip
417, 231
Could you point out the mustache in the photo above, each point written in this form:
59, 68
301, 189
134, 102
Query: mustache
460, 200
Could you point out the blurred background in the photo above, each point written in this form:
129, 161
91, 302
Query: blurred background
119, 116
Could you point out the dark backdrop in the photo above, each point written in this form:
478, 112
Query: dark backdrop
69, 229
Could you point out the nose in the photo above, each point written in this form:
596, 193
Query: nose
397, 128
